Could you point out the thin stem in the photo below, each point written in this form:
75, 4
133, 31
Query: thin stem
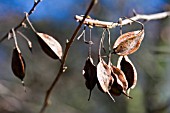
68, 44
82, 34
108, 31
28, 41
26, 14
101, 42
15, 40
23, 20
90, 44
120, 22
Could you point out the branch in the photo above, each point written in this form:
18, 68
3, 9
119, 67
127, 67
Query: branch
104, 24
62, 66
23, 20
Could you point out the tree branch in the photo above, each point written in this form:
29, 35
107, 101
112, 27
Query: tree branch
23, 20
62, 66
104, 24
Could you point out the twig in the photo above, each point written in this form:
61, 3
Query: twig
68, 44
23, 20
15, 40
104, 24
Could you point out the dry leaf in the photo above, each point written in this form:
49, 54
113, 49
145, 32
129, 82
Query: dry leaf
128, 43
105, 80
90, 74
50, 45
129, 70
18, 64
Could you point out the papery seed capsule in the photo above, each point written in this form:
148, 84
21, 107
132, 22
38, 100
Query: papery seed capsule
128, 43
129, 70
18, 65
50, 46
105, 80
90, 74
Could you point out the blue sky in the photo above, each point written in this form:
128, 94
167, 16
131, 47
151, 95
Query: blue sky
47, 8
59, 9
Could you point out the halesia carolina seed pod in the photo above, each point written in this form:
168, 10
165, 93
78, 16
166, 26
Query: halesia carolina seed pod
120, 84
90, 74
18, 64
117, 86
129, 70
105, 80
128, 43
121, 76
50, 46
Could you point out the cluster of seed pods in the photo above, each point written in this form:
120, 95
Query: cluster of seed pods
110, 79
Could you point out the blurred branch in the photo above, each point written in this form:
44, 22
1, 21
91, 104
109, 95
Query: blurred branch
104, 24
23, 20
62, 66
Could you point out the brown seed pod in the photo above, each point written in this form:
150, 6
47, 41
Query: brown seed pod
120, 76
120, 84
128, 43
105, 80
50, 45
129, 70
90, 74
117, 87
18, 65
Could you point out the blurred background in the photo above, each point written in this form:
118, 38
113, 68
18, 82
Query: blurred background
56, 18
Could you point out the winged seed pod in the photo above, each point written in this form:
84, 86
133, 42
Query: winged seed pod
128, 43
90, 74
121, 76
117, 86
120, 84
129, 70
50, 46
18, 65
105, 80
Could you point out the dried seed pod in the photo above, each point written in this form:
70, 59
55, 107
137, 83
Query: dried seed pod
120, 76
117, 87
90, 74
50, 46
120, 84
18, 65
129, 70
128, 43
105, 80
